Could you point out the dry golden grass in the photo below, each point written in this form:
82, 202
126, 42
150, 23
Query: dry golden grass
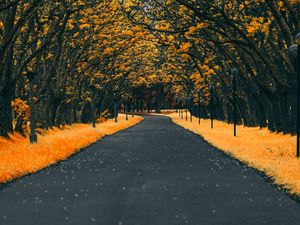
271, 153
18, 157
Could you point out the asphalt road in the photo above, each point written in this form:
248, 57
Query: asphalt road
155, 173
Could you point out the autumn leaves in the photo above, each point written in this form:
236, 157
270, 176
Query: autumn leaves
126, 46
204, 40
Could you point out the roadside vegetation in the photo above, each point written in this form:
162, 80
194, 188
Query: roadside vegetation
269, 152
18, 157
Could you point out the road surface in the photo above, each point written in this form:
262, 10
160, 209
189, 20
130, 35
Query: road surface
154, 173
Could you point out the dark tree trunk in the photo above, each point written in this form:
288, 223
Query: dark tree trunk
159, 98
5, 116
19, 127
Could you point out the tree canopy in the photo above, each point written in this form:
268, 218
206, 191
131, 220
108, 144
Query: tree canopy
147, 54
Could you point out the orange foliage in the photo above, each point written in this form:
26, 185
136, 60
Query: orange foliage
19, 158
101, 120
271, 153
21, 109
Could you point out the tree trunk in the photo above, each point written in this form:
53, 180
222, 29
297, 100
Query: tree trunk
5, 116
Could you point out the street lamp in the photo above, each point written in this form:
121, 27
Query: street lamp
93, 90
132, 107
186, 110
191, 101
181, 107
180, 100
33, 137
178, 106
211, 88
126, 109
234, 74
115, 108
294, 52
199, 92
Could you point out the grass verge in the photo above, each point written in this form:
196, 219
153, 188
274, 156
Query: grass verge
271, 153
19, 158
